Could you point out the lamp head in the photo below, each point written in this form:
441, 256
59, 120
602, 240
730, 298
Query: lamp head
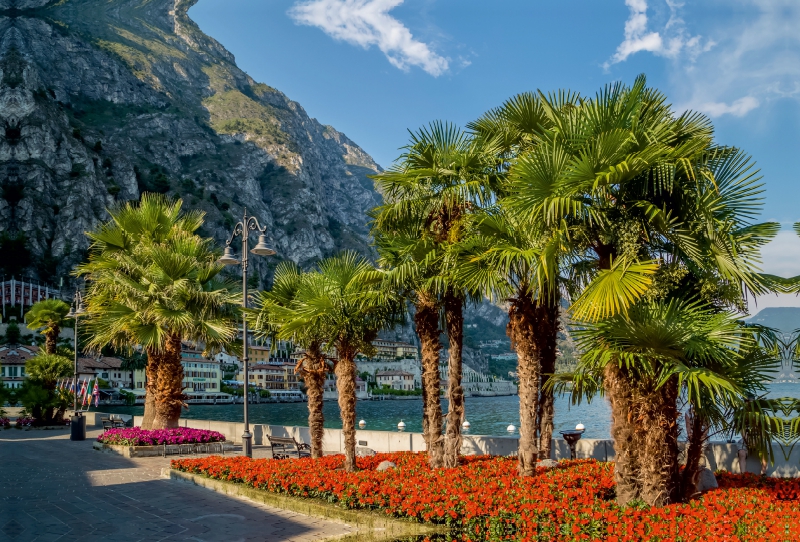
228, 258
261, 249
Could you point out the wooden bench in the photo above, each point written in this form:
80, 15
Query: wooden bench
286, 447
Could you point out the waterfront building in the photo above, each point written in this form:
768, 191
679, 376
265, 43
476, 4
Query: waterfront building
200, 373
107, 368
394, 350
397, 380
272, 376
22, 294
476, 383
12, 363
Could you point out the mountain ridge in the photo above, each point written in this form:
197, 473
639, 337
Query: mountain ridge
101, 101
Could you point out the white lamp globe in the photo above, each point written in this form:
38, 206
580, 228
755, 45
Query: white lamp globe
511, 428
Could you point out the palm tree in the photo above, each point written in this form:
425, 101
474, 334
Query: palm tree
346, 300
517, 262
272, 318
153, 282
441, 179
50, 315
654, 208
39, 393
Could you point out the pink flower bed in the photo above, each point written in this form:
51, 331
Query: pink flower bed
4, 422
136, 436
25, 421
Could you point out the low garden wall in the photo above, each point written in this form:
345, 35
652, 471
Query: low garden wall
719, 455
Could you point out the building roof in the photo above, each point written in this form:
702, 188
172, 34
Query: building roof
90, 365
17, 354
392, 373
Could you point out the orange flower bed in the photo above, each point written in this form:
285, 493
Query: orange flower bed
485, 499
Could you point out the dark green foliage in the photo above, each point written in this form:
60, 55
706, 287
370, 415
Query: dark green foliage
12, 333
77, 170
98, 146
16, 255
76, 133
160, 184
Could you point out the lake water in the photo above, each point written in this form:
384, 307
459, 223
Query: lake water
487, 415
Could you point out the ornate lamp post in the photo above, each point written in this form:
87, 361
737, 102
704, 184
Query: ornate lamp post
243, 228
77, 426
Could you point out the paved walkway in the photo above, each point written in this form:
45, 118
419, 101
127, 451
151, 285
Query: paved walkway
54, 489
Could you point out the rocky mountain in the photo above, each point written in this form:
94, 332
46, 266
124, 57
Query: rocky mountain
101, 100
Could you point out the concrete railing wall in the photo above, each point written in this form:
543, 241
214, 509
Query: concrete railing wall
719, 455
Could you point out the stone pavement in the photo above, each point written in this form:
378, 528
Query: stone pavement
54, 489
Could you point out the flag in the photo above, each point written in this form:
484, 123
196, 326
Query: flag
85, 393
96, 394
83, 388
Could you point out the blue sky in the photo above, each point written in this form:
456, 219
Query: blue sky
375, 68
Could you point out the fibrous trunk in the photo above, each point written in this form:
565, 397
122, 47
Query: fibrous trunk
657, 440
546, 337
313, 369
151, 387
697, 430
51, 340
645, 432
346, 385
521, 324
426, 319
626, 467
454, 318
169, 388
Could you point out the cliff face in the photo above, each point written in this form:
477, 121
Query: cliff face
101, 100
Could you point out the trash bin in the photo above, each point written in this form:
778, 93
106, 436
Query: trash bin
77, 428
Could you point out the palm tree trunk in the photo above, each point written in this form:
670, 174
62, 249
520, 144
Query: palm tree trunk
694, 453
313, 370
151, 388
51, 339
546, 337
346, 385
454, 318
169, 389
426, 319
521, 323
626, 467
656, 413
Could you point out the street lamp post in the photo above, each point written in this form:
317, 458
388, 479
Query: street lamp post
76, 310
243, 228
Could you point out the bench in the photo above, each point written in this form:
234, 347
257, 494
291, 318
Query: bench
197, 448
286, 447
111, 423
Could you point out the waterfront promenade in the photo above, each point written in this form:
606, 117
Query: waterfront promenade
58, 490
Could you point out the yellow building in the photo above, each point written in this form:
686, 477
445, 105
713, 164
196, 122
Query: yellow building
200, 374
393, 350
271, 376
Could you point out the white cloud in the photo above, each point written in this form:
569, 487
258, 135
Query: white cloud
738, 108
366, 23
670, 42
748, 57
781, 257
